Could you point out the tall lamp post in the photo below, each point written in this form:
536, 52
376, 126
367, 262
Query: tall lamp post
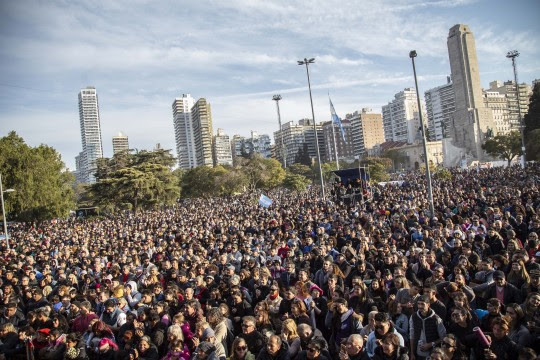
513, 55
412, 55
276, 98
307, 62
2, 191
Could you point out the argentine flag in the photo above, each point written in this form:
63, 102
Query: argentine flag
265, 201
336, 120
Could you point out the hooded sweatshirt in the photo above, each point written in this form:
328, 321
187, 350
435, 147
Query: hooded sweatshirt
134, 297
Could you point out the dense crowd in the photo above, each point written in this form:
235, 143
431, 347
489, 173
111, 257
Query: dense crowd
225, 278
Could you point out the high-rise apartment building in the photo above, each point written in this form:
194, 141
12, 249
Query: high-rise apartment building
333, 139
499, 109
401, 118
120, 143
440, 106
183, 131
201, 116
508, 89
471, 121
222, 149
367, 130
92, 148
255, 144
296, 135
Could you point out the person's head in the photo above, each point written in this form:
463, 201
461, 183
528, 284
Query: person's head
493, 306
354, 344
438, 354
110, 306
305, 331
423, 304
515, 313
274, 345
298, 307
239, 348
248, 324
535, 278
415, 287
340, 306
145, 343
449, 344
382, 323
500, 328
314, 349
499, 278
460, 299
459, 315
289, 328
11, 309
390, 343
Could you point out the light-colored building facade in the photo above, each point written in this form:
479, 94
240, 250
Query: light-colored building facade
201, 116
440, 106
367, 130
499, 108
92, 148
296, 135
255, 144
401, 117
120, 143
508, 88
471, 121
222, 149
183, 131
334, 139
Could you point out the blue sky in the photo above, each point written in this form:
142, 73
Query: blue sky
141, 54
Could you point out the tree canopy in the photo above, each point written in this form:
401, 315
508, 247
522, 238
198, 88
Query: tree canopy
505, 147
43, 186
136, 180
532, 123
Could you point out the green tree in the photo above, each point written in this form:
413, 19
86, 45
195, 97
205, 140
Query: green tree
506, 147
262, 173
43, 186
295, 182
302, 156
533, 145
139, 180
299, 169
531, 121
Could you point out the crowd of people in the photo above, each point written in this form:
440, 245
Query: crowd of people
306, 278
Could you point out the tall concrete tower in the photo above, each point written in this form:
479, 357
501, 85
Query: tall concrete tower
92, 148
472, 120
120, 143
183, 131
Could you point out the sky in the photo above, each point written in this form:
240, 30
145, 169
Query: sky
141, 55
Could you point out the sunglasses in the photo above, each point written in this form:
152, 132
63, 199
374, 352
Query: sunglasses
447, 345
241, 348
313, 349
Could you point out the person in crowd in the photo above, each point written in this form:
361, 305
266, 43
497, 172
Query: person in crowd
251, 335
239, 350
390, 349
353, 349
275, 349
426, 329
383, 326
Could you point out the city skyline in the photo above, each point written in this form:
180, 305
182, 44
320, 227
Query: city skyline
236, 56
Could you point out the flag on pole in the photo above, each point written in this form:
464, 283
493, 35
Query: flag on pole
336, 119
265, 201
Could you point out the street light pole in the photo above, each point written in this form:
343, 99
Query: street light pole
412, 55
513, 55
276, 98
4, 210
307, 62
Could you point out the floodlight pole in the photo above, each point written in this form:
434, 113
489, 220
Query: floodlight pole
276, 98
307, 62
412, 55
513, 55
